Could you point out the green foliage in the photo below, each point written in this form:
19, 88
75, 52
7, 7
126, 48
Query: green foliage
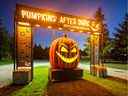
104, 36
107, 50
87, 47
4, 41
41, 53
117, 66
6, 61
120, 41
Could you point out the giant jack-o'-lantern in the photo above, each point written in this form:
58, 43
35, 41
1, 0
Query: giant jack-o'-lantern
64, 53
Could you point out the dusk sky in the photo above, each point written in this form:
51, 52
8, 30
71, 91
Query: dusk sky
114, 11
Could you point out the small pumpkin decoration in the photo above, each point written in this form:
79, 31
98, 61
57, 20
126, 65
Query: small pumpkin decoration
64, 53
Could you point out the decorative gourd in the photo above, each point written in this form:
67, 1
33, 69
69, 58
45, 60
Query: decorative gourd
64, 53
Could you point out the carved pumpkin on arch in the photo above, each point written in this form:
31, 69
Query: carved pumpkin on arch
64, 53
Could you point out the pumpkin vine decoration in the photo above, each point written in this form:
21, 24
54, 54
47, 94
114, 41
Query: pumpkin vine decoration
64, 53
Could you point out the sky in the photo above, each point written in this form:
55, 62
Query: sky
114, 11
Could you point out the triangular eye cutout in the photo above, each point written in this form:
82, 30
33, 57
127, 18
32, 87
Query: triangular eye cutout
63, 49
73, 50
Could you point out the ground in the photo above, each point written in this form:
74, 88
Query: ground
89, 86
76, 88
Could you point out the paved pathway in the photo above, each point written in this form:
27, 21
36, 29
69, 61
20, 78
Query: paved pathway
6, 72
123, 74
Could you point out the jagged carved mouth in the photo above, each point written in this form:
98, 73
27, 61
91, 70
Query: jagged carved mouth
67, 60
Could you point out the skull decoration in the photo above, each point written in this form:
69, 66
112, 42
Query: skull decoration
64, 53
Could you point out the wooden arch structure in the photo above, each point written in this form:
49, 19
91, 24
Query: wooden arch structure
27, 17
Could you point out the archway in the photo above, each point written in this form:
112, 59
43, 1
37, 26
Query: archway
27, 17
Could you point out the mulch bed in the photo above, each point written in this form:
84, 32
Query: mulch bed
76, 88
6, 91
117, 79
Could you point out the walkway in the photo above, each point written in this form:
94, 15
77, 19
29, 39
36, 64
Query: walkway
123, 74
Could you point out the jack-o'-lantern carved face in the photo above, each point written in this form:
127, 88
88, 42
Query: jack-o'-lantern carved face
67, 53
64, 53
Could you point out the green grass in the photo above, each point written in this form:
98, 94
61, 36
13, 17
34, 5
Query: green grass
118, 66
6, 61
86, 61
37, 86
115, 87
110, 65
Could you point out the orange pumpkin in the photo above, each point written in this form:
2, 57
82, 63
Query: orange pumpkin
64, 53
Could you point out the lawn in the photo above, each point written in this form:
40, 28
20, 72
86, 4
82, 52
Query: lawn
85, 61
110, 65
37, 86
6, 61
118, 66
118, 88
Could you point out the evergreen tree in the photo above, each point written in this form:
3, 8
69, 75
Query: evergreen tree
86, 50
35, 54
4, 41
104, 34
120, 49
46, 53
40, 53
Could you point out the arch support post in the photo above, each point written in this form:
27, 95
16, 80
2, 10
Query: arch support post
23, 69
97, 68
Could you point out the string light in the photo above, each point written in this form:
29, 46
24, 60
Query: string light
60, 28
23, 23
49, 27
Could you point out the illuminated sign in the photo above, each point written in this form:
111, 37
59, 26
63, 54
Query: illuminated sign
55, 19
24, 46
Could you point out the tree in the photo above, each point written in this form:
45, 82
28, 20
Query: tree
38, 51
86, 50
104, 34
41, 53
4, 41
120, 49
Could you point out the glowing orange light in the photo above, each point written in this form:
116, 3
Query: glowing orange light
38, 16
83, 22
72, 30
89, 32
24, 68
80, 31
94, 26
49, 27
65, 20
37, 25
23, 23
60, 28
96, 33
68, 20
